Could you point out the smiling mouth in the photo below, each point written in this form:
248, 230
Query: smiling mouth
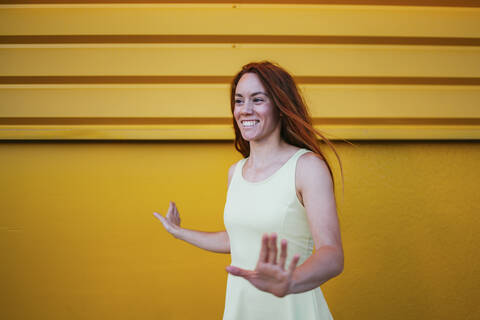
249, 123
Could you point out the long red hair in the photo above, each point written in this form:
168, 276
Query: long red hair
296, 123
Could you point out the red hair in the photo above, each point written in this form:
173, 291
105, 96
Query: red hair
296, 123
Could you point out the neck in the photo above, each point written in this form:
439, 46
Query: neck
266, 151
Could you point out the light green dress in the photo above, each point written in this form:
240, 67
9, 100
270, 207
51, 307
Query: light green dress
255, 208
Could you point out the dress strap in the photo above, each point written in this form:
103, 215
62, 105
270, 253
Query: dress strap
298, 154
292, 167
237, 171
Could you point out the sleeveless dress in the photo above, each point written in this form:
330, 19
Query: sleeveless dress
255, 208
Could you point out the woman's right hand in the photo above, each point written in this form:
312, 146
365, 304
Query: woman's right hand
171, 221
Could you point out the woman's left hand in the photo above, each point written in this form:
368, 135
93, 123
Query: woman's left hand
269, 275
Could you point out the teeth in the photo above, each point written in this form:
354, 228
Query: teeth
249, 123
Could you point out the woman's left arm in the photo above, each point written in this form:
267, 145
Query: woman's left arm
315, 184
270, 274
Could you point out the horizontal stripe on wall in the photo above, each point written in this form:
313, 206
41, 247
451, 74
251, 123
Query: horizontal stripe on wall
228, 120
211, 101
434, 3
233, 39
239, 19
226, 60
225, 132
227, 79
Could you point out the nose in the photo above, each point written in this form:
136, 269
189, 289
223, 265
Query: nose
247, 107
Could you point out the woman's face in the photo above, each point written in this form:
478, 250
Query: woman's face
254, 112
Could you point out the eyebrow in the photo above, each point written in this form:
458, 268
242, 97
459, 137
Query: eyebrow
253, 94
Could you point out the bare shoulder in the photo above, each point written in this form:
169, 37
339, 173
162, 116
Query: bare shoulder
312, 171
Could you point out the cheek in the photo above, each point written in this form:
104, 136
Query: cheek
235, 114
269, 115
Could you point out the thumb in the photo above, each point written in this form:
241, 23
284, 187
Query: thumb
160, 217
293, 263
237, 271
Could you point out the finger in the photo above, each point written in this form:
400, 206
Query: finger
169, 211
175, 210
264, 250
283, 253
177, 220
237, 271
272, 246
162, 219
176, 213
159, 216
293, 263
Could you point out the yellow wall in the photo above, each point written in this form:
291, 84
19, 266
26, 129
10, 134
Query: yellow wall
161, 70
108, 111
78, 238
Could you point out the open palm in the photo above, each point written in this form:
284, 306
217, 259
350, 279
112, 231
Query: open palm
270, 275
171, 221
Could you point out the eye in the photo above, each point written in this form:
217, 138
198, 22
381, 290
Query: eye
237, 101
256, 100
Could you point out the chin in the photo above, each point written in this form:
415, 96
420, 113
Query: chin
250, 139
247, 138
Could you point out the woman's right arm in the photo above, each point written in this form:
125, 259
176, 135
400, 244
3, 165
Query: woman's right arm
211, 241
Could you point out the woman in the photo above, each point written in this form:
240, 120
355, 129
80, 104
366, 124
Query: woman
283, 188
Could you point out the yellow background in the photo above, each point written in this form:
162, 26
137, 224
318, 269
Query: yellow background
79, 239
108, 111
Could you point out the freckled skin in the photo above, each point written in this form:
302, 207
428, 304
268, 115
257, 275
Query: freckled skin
250, 104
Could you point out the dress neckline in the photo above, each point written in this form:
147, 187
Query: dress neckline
269, 177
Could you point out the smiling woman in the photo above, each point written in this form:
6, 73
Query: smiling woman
283, 187
272, 93
253, 111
